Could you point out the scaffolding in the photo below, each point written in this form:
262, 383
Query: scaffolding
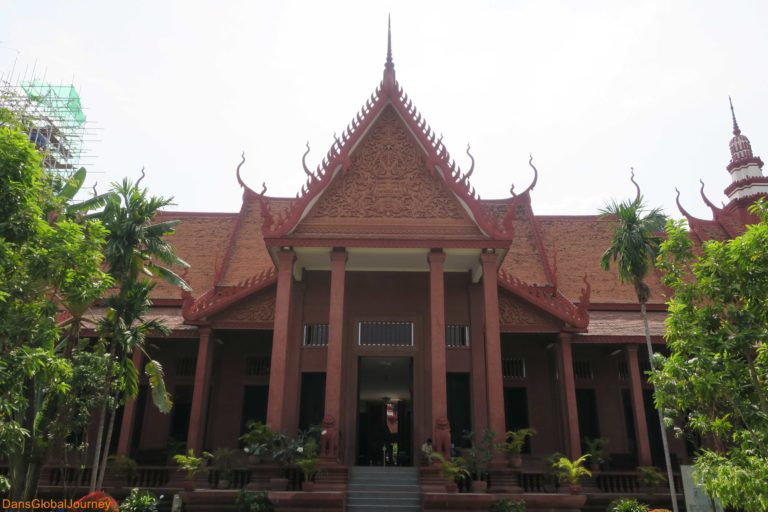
53, 117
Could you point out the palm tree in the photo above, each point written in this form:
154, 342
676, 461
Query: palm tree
634, 247
136, 249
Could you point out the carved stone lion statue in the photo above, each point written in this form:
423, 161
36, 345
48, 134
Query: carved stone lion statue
442, 437
329, 441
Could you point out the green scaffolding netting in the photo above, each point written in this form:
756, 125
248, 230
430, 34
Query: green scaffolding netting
60, 101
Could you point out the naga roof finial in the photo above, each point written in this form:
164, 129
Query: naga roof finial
632, 179
143, 175
709, 203
736, 129
535, 176
680, 206
240, 180
472, 167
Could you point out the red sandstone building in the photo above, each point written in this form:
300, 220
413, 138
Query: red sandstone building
389, 299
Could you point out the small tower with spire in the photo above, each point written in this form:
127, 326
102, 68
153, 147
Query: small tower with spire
746, 169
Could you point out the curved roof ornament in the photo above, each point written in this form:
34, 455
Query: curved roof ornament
471, 167
143, 175
242, 183
535, 176
680, 206
586, 293
715, 209
637, 187
304, 164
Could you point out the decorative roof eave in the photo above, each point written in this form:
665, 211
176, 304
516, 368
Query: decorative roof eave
550, 299
217, 298
743, 162
696, 224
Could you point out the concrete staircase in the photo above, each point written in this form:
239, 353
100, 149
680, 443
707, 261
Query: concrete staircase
383, 489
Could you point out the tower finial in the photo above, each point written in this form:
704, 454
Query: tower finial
389, 83
389, 63
736, 129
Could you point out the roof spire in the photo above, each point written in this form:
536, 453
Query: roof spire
389, 66
389, 63
736, 129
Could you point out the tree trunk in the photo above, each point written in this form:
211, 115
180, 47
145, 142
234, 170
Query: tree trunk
664, 441
107, 443
102, 417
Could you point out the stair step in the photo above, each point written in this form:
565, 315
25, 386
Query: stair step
383, 489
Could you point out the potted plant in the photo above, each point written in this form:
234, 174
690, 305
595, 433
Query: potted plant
192, 465
478, 457
598, 454
651, 478
226, 461
453, 470
140, 501
308, 461
572, 471
258, 442
515, 441
122, 469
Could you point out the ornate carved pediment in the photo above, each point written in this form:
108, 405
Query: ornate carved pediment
257, 308
515, 312
388, 190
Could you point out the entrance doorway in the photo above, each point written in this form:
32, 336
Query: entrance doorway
385, 412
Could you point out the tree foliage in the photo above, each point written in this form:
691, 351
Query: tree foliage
714, 384
635, 244
50, 269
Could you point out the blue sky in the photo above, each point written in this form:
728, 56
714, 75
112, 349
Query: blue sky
590, 88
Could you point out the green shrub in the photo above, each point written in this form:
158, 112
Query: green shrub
627, 505
253, 502
508, 506
140, 501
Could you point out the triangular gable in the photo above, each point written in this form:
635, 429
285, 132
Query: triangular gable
515, 313
437, 162
258, 308
246, 251
388, 190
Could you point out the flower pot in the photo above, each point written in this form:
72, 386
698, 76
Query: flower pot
188, 485
278, 484
451, 487
515, 462
253, 460
307, 486
574, 488
479, 485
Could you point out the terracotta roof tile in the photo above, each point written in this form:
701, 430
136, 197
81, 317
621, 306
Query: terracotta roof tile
623, 323
524, 259
581, 241
200, 240
247, 253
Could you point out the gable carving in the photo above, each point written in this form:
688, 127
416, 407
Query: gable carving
387, 186
256, 308
516, 312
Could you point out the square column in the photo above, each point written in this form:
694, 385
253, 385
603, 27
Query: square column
329, 444
441, 435
638, 407
282, 328
129, 413
477, 347
570, 413
202, 386
494, 377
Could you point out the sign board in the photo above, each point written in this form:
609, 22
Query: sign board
696, 500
